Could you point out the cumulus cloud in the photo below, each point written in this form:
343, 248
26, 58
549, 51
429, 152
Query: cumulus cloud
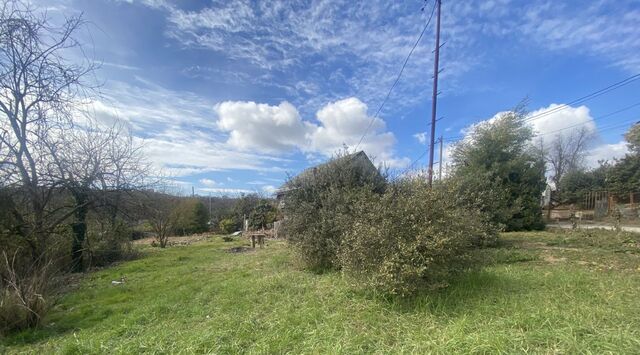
262, 127
270, 189
183, 153
551, 120
606, 152
342, 123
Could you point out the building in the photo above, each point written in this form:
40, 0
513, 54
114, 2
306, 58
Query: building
359, 161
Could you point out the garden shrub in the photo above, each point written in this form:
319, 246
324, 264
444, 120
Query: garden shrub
319, 207
228, 226
410, 237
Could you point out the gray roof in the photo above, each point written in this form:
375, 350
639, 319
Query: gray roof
355, 158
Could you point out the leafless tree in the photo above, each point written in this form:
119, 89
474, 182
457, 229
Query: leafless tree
38, 91
96, 165
566, 152
159, 209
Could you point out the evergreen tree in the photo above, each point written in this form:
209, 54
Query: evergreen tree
497, 172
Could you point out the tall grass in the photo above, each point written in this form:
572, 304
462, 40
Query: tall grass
534, 296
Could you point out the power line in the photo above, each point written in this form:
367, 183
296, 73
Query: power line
595, 119
602, 129
398, 77
590, 96
579, 100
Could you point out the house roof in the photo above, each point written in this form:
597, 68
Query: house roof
358, 158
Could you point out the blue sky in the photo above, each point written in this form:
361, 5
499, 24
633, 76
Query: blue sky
234, 96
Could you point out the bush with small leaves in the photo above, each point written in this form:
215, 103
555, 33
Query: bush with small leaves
319, 207
409, 238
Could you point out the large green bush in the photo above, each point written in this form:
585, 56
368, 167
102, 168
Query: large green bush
319, 207
497, 172
410, 237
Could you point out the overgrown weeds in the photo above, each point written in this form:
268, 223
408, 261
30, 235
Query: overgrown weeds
23, 293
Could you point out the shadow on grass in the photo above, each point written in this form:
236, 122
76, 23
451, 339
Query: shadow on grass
463, 293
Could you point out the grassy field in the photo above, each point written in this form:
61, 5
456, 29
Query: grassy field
544, 292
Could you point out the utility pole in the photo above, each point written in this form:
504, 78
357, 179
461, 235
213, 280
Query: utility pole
435, 93
440, 163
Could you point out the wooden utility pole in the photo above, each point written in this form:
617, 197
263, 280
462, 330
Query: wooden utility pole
435, 93
440, 162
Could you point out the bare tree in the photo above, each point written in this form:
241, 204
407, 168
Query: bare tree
160, 215
38, 90
567, 152
96, 164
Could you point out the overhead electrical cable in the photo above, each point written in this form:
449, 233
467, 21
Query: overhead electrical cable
397, 78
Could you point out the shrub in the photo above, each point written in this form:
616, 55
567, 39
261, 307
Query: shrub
409, 238
227, 226
497, 172
319, 206
106, 246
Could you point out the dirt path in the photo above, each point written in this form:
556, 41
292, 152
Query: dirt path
595, 226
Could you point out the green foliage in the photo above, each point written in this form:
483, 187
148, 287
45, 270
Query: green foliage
577, 183
624, 176
108, 245
190, 216
319, 207
262, 214
633, 138
497, 173
409, 238
243, 207
201, 218
228, 226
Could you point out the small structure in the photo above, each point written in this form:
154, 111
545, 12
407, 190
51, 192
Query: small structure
358, 160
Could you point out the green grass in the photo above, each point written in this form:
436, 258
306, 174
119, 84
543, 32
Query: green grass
544, 292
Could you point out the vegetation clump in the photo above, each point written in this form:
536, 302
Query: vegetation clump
320, 206
410, 237
497, 172
396, 237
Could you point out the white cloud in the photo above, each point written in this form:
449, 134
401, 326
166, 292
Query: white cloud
343, 123
552, 120
261, 126
183, 153
606, 152
224, 191
421, 137
280, 129
605, 29
270, 189
207, 182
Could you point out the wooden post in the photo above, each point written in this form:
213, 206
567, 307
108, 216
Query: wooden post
610, 204
631, 199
